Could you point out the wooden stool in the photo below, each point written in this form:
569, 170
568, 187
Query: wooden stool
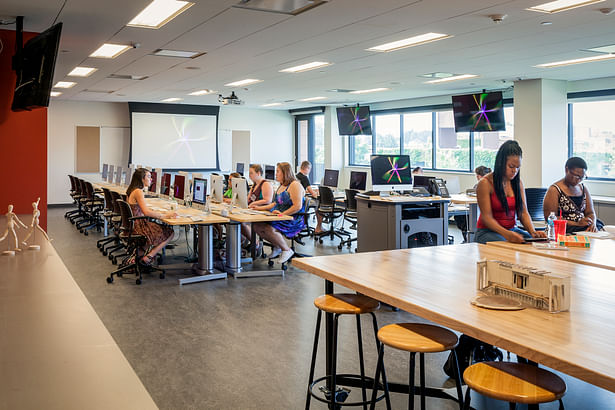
417, 338
343, 304
514, 383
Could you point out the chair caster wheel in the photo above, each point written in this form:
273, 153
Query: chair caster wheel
162, 275
320, 241
340, 246
138, 281
104, 253
98, 245
264, 255
114, 261
356, 250
284, 267
86, 233
109, 279
270, 263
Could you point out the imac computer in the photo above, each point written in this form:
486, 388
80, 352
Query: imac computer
110, 174
199, 191
391, 173
118, 175
179, 185
270, 172
105, 171
165, 184
217, 188
331, 177
240, 192
154, 185
358, 180
240, 168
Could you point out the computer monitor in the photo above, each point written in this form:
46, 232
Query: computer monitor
217, 188
240, 168
391, 172
118, 175
424, 181
331, 177
105, 171
358, 180
240, 192
110, 174
179, 185
154, 185
270, 172
165, 184
199, 191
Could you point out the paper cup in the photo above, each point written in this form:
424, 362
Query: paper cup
559, 225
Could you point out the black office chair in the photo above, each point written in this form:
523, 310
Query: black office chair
92, 205
108, 215
135, 245
534, 198
350, 215
73, 194
329, 212
116, 224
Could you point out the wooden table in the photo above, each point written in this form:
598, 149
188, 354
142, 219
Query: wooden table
601, 252
472, 217
437, 283
55, 351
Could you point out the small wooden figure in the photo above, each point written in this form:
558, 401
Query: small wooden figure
34, 226
11, 218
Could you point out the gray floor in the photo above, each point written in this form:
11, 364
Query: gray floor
241, 344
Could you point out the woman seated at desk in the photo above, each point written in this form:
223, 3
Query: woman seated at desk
157, 235
288, 200
501, 197
228, 194
570, 197
261, 194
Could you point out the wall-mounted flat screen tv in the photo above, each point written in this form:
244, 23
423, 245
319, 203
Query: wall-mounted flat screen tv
482, 112
354, 121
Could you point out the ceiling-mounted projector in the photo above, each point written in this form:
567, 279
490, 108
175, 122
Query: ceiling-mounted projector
230, 100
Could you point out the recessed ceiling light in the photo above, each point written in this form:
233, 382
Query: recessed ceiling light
172, 99
610, 49
545, 23
306, 67
313, 99
562, 5
177, 53
127, 77
158, 13
371, 90
64, 84
82, 71
410, 42
55, 93
271, 105
577, 61
202, 92
108, 50
437, 74
247, 81
453, 78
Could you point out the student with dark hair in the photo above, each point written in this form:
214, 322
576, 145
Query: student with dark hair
501, 199
417, 171
157, 235
228, 194
572, 198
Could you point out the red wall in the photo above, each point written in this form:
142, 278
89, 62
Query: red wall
23, 144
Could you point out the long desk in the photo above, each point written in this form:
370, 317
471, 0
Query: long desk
437, 283
600, 254
55, 351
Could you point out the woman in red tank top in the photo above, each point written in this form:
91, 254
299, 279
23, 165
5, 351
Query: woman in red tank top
501, 199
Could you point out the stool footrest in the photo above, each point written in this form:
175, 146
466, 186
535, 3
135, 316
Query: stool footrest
347, 380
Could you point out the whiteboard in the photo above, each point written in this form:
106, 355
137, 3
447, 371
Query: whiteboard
114, 146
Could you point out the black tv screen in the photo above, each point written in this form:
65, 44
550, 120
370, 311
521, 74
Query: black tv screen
35, 70
354, 121
479, 112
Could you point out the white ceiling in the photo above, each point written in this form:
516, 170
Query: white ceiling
244, 43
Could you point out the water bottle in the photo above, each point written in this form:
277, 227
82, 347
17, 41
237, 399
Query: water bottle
551, 226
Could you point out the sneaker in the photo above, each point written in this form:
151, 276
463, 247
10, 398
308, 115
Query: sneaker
286, 255
275, 253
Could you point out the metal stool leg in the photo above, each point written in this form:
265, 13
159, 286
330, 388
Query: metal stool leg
384, 376
466, 401
512, 406
361, 363
411, 384
422, 375
333, 369
313, 365
458, 380
379, 366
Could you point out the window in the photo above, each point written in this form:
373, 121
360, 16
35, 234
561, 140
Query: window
417, 138
486, 144
360, 147
592, 136
452, 148
310, 131
387, 131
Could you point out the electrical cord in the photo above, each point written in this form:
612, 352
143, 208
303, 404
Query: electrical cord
59, 11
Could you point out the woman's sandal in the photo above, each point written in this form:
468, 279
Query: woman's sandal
147, 260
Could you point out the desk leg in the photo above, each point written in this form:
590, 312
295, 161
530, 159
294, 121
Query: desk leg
473, 217
233, 255
329, 337
205, 265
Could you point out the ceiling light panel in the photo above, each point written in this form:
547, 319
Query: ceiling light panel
610, 49
177, 53
240, 83
64, 84
562, 5
55, 93
158, 13
271, 105
410, 42
109, 50
171, 99
306, 67
82, 71
453, 78
313, 99
202, 92
577, 61
371, 90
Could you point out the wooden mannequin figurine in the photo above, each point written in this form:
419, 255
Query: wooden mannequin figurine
11, 218
35, 225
